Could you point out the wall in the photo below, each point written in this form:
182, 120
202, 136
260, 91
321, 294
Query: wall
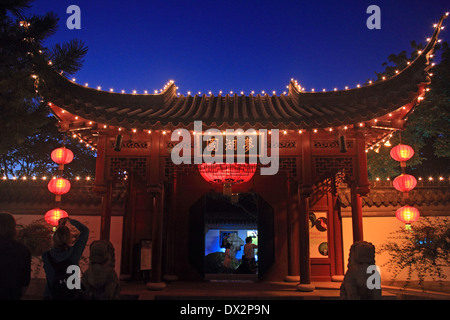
377, 230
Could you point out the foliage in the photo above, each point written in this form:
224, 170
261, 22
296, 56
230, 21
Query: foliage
214, 263
381, 165
25, 120
427, 129
33, 157
423, 251
37, 236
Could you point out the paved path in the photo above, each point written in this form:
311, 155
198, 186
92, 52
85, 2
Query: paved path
237, 290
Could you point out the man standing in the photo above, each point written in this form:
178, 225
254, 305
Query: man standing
249, 254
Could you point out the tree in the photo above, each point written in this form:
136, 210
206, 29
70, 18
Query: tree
427, 129
423, 250
27, 130
32, 158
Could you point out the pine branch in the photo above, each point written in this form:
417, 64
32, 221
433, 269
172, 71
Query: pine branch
16, 7
68, 57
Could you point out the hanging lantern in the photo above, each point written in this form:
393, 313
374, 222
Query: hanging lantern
227, 174
407, 215
405, 183
62, 156
232, 173
59, 186
52, 216
402, 153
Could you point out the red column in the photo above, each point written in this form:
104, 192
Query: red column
156, 192
362, 178
304, 192
357, 223
105, 222
359, 187
170, 221
100, 162
337, 235
103, 187
303, 214
292, 231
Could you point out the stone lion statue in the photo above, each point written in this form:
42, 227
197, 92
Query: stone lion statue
100, 281
354, 285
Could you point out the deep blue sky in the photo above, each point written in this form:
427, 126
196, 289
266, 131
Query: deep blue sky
240, 45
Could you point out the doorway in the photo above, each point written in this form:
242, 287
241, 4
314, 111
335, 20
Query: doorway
215, 220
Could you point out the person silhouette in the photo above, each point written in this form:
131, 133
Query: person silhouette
227, 260
248, 264
15, 261
60, 256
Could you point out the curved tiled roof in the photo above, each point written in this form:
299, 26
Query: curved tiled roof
296, 109
385, 195
36, 192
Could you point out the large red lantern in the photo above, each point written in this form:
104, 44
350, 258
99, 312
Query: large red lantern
405, 182
62, 156
402, 152
231, 173
59, 186
407, 215
227, 174
52, 216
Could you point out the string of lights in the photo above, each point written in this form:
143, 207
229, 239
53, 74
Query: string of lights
298, 86
435, 179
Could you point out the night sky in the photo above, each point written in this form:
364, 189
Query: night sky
245, 45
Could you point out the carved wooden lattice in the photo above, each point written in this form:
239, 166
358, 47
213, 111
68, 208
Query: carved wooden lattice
136, 165
325, 167
182, 169
285, 166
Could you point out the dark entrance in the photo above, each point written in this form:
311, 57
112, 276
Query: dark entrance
215, 217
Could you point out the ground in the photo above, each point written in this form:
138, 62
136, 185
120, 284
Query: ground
251, 290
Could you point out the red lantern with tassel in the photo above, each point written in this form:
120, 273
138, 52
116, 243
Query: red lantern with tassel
62, 156
407, 215
405, 183
59, 186
402, 153
52, 216
227, 174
